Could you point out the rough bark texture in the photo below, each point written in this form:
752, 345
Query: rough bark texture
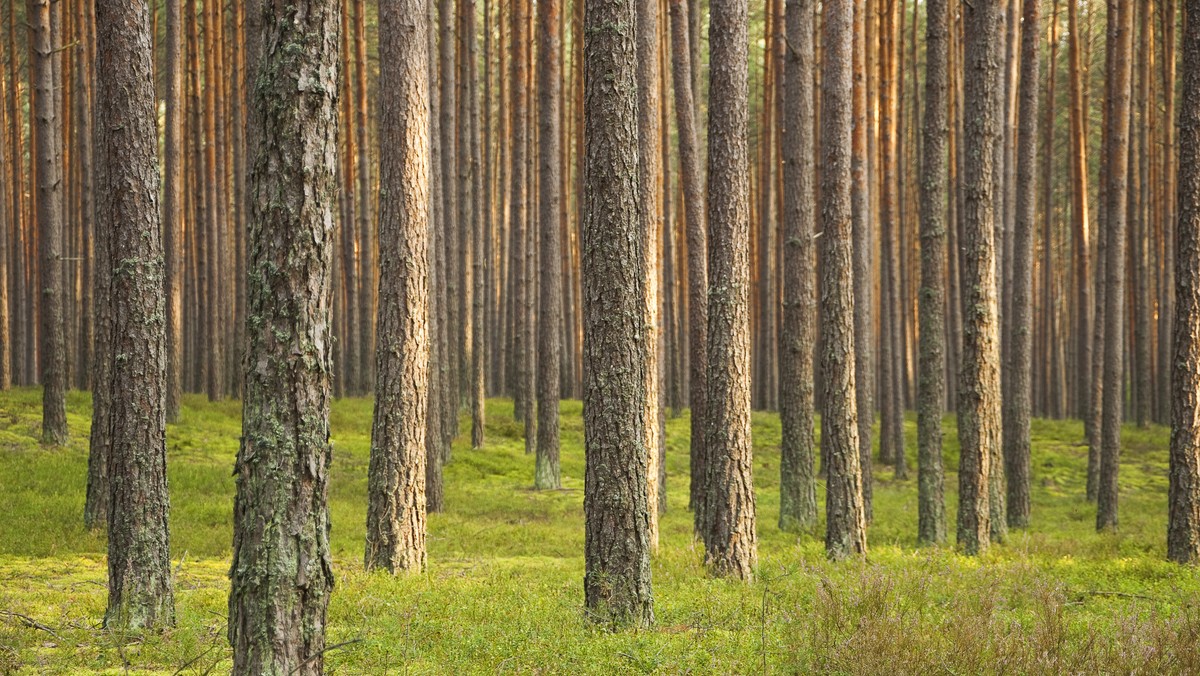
979, 381
730, 532
435, 435
845, 526
697, 251
1119, 78
479, 262
140, 589
173, 212
650, 182
1020, 352
546, 474
517, 220
1183, 530
797, 479
396, 482
282, 574
617, 532
864, 278
49, 218
449, 196
366, 247
931, 503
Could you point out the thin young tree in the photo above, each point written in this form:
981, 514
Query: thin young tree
931, 383
617, 586
48, 200
1116, 194
140, 587
1183, 529
697, 250
282, 572
731, 538
979, 419
1020, 318
396, 480
549, 354
797, 480
845, 526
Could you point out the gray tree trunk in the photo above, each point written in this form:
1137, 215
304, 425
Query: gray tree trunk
797, 479
931, 383
549, 353
282, 573
140, 589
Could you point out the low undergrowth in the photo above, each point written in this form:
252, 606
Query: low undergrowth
503, 592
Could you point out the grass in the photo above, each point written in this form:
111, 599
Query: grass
503, 592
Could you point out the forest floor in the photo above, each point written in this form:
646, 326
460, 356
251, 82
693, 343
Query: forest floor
503, 592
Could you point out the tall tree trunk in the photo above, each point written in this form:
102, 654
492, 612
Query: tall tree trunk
396, 483
213, 343
282, 572
864, 278
1120, 44
697, 252
1081, 275
173, 215
931, 507
845, 528
546, 474
1183, 530
797, 480
522, 399
979, 383
1138, 208
366, 246
650, 182
617, 544
140, 594
49, 201
1166, 313
891, 437
1020, 366
448, 119
476, 382
435, 435
731, 536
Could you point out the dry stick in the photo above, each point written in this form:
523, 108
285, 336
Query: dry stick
31, 623
322, 651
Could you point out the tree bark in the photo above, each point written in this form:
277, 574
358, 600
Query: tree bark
1114, 294
1020, 366
731, 536
864, 277
797, 479
1081, 275
173, 216
282, 573
396, 483
140, 588
366, 246
979, 382
49, 202
476, 382
845, 528
697, 252
931, 502
1183, 530
617, 584
546, 474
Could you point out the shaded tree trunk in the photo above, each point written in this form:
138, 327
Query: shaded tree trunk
546, 474
49, 218
931, 503
697, 252
140, 588
797, 480
1183, 530
1119, 78
1081, 275
282, 573
617, 529
396, 483
173, 213
1020, 367
864, 278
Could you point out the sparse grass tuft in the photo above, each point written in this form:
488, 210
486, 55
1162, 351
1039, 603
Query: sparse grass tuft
504, 588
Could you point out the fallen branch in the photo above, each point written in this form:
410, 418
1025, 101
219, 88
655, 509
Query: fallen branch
30, 622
